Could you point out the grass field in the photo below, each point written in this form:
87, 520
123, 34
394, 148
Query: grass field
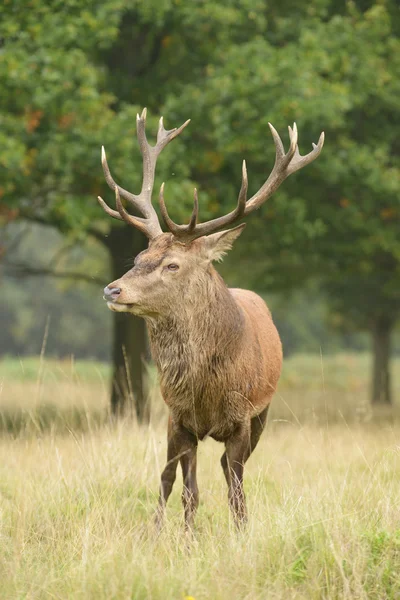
77, 494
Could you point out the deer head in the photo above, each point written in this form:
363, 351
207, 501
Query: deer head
181, 259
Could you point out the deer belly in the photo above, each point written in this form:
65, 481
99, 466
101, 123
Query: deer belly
217, 418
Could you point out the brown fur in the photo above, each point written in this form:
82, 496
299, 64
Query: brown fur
217, 351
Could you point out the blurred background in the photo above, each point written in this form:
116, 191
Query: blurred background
324, 251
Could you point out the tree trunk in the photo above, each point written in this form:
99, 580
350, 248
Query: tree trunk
129, 336
381, 385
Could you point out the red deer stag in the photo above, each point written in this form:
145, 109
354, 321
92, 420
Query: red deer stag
217, 350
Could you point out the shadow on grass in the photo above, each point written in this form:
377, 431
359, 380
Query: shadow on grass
47, 418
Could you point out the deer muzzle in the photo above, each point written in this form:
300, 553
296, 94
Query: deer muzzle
111, 294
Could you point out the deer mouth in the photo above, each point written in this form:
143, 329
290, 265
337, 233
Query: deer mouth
120, 306
134, 309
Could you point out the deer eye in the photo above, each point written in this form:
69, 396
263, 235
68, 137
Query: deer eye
173, 267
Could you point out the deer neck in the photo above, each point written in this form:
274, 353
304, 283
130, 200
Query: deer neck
206, 326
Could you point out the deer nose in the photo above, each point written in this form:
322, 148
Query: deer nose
111, 294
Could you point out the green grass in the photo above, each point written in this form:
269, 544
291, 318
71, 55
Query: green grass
32, 368
77, 496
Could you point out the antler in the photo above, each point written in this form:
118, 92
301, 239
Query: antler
285, 165
149, 223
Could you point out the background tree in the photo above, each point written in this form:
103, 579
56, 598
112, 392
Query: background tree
74, 75
56, 111
337, 66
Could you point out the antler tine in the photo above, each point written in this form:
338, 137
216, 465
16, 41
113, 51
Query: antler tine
281, 159
300, 161
279, 148
108, 210
143, 201
149, 224
150, 155
285, 164
242, 198
179, 230
164, 136
195, 212
192, 230
138, 222
293, 136
123, 215
110, 181
173, 227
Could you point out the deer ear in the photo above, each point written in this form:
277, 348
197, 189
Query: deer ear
217, 245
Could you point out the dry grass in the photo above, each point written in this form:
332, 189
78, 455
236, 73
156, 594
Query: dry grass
76, 505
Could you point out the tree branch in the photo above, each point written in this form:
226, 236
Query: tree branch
28, 271
14, 242
98, 235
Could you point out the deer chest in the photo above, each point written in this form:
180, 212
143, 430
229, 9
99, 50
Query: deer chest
206, 406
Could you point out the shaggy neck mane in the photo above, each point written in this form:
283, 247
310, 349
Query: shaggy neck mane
201, 331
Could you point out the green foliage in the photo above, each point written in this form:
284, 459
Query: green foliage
339, 218
57, 110
74, 74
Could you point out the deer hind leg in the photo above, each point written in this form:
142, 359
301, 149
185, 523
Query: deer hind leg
180, 443
256, 428
233, 464
190, 493
257, 425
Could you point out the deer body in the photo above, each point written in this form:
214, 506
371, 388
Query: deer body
217, 350
219, 358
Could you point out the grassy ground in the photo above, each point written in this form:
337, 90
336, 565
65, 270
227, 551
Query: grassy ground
38, 395
77, 495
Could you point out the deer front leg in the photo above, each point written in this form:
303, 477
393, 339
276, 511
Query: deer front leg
190, 494
182, 446
233, 464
